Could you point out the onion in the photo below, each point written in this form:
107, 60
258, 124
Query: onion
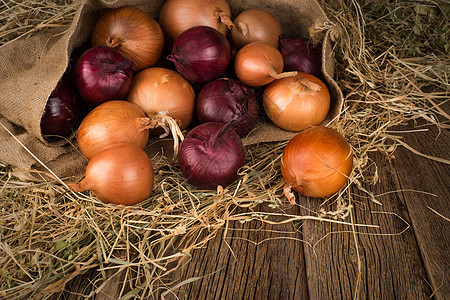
133, 32
316, 163
295, 103
177, 16
201, 54
62, 111
112, 122
102, 74
210, 155
119, 174
255, 25
166, 98
258, 64
224, 99
300, 54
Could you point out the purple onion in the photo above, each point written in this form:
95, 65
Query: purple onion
62, 111
201, 54
224, 99
299, 54
210, 155
102, 74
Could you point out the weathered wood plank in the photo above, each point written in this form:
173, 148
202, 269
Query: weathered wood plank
428, 207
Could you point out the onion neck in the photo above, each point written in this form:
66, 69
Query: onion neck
217, 135
243, 28
223, 18
114, 42
307, 86
276, 75
288, 193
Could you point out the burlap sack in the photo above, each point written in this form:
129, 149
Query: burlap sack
31, 68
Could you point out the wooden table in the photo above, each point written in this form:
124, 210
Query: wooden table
407, 257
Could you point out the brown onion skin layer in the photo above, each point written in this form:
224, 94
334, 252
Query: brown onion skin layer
292, 106
120, 174
133, 32
317, 162
112, 122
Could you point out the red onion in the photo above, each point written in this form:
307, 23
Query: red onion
62, 111
211, 154
227, 98
201, 54
101, 74
300, 54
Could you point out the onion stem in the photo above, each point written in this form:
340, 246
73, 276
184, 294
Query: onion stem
224, 18
309, 84
276, 75
243, 28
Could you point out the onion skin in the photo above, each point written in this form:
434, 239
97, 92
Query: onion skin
201, 54
133, 32
62, 111
121, 174
112, 122
210, 155
316, 162
297, 102
177, 16
102, 74
225, 99
300, 54
258, 64
255, 25
158, 89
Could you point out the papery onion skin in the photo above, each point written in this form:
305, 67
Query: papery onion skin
293, 106
300, 54
258, 64
156, 90
224, 99
133, 32
208, 161
317, 162
112, 122
62, 111
255, 25
201, 54
177, 16
121, 174
102, 74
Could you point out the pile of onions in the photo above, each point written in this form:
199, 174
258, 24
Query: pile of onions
210, 155
201, 54
102, 74
110, 123
300, 54
258, 64
166, 98
62, 111
228, 99
316, 163
177, 16
255, 25
120, 174
294, 103
133, 32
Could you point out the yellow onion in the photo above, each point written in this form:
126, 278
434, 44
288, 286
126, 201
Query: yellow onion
296, 102
165, 97
119, 174
112, 122
317, 162
133, 32
255, 25
177, 16
258, 64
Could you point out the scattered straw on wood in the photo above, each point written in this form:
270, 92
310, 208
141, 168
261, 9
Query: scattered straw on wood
50, 235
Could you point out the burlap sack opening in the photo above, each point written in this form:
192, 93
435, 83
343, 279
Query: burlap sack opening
31, 69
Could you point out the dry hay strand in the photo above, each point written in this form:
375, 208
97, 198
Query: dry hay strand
50, 235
